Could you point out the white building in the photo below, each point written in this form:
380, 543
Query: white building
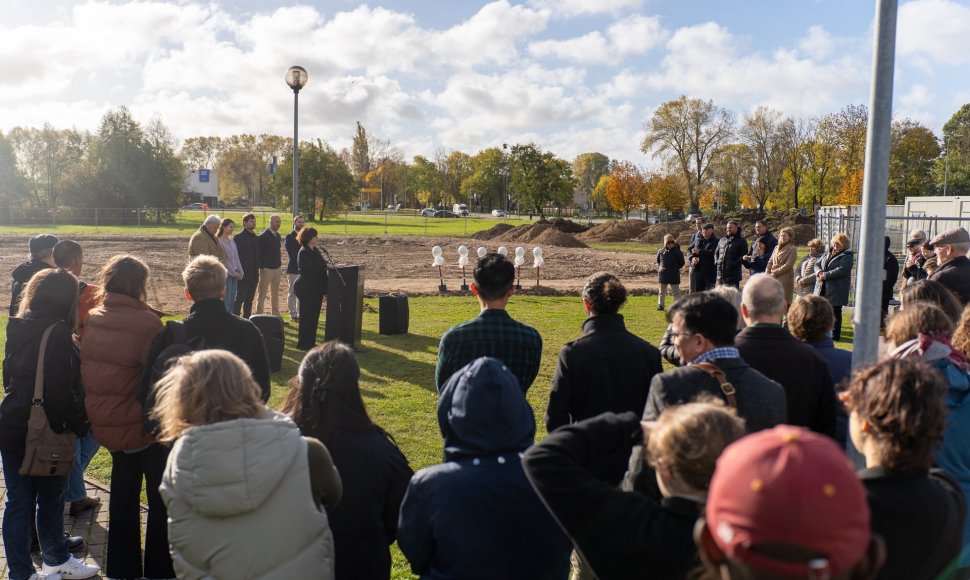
201, 185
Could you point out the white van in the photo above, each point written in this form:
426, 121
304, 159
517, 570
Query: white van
460, 209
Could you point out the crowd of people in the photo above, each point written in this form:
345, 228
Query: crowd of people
736, 462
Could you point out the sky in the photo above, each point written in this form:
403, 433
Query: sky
438, 75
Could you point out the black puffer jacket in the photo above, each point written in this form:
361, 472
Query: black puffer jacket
63, 393
727, 259
21, 275
670, 261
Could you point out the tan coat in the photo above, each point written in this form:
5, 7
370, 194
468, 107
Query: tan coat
203, 242
781, 266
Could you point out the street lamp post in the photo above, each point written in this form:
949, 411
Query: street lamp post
296, 78
505, 194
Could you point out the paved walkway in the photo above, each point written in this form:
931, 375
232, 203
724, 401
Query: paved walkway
92, 525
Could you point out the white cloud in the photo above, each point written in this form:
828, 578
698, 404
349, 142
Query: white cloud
590, 48
629, 37
490, 36
571, 8
918, 96
817, 43
934, 32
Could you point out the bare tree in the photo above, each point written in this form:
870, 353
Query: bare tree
796, 134
761, 133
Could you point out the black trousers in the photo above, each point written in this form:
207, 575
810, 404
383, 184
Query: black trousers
837, 329
310, 306
245, 293
700, 282
124, 531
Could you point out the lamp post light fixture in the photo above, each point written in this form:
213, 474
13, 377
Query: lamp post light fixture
296, 78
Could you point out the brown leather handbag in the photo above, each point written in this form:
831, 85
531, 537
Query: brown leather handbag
47, 453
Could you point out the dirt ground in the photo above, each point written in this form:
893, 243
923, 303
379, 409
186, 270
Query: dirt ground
392, 264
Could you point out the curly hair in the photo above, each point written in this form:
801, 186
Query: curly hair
810, 318
916, 319
902, 402
688, 439
604, 292
961, 336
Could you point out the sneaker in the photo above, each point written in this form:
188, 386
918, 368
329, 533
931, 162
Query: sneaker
82, 505
72, 569
36, 576
660, 307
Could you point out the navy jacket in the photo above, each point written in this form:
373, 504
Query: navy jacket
838, 277
292, 249
670, 262
247, 244
727, 259
839, 363
269, 249
475, 515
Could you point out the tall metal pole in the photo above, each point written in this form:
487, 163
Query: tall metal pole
869, 278
946, 163
296, 149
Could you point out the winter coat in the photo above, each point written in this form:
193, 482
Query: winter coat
705, 269
202, 242
757, 264
475, 515
623, 535
891, 267
839, 363
781, 266
269, 249
608, 368
292, 249
117, 337
247, 245
771, 242
838, 277
312, 283
955, 275
240, 503
727, 259
63, 393
805, 275
21, 275
670, 262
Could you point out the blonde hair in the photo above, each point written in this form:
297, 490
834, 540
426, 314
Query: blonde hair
843, 239
961, 336
668, 238
817, 245
51, 291
689, 438
204, 277
205, 387
790, 232
915, 319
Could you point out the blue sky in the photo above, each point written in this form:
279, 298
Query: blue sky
440, 75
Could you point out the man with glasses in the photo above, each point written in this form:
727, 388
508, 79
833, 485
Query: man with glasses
954, 270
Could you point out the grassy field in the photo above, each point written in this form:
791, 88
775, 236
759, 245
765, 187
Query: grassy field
398, 371
353, 224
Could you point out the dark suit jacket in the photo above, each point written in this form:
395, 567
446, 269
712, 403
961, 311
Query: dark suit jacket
798, 368
269, 249
248, 247
606, 369
955, 275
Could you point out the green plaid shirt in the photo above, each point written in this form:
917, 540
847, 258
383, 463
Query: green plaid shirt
492, 333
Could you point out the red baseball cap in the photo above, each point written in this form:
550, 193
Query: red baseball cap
788, 486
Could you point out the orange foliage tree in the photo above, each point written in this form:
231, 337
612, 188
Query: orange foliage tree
627, 188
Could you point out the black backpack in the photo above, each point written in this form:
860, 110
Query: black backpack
171, 343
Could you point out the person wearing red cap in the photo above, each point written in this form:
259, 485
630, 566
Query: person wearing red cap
785, 503
897, 420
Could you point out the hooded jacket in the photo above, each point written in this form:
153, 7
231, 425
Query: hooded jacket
240, 505
21, 275
63, 393
475, 515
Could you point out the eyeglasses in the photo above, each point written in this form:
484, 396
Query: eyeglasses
674, 335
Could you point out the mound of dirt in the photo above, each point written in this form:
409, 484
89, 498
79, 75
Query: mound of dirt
615, 231
492, 232
680, 230
567, 226
543, 233
804, 233
554, 237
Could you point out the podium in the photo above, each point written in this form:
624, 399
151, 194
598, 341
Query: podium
345, 304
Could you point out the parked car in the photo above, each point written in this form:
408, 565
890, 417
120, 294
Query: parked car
460, 209
499, 213
443, 213
197, 205
428, 212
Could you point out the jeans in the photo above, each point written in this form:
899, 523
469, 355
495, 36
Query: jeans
87, 446
124, 533
269, 278
292, 302
230, 297
22, 493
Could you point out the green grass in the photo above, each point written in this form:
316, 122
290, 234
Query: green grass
352, 224
397, 371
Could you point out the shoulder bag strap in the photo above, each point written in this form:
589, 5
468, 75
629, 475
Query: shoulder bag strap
718, 375
39, 375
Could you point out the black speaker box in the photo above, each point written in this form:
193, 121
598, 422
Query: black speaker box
394, 314
272, 329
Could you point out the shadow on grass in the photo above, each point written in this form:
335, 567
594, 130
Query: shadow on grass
408, 358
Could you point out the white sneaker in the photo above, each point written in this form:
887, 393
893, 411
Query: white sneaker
73, 569
36, 576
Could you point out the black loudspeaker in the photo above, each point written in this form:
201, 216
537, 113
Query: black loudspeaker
272, 329
345, 304
393, 314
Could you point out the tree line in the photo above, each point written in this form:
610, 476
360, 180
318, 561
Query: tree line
707, 158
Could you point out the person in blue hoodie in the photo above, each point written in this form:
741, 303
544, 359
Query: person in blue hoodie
475, 515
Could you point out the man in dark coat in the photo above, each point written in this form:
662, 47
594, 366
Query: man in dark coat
890, 268
205, 285
475, 515
247, 245
606, 369
270, 266
771, 349
702, 270
954, 271
727, 258
761, 233
292, 271
40, 248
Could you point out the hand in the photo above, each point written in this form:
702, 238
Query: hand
820, 276
695, 251
746, 258
695, 261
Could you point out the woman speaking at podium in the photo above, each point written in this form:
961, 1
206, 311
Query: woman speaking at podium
310, 287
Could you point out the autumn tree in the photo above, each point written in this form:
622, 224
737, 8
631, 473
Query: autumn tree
732, 175
539, 178
761, 133
588, 168
201, 152
952, 169
627, 188
796, 139
850, 125
325, 182
360, 154
690, 131
913, 148
485, 185
13, 186
821, 156
600, 201
666, 191
453, 167
424, 180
